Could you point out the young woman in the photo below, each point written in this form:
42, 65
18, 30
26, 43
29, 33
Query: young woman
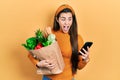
65, 30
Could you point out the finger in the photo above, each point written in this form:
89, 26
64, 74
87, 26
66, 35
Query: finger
48, 63
83, 57
85, 51
52, 66
42, 63
88, 49
48, 60
83, 54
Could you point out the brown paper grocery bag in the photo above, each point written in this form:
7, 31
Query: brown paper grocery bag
50, 52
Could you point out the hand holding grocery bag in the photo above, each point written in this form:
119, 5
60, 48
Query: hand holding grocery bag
47, 63
45, 49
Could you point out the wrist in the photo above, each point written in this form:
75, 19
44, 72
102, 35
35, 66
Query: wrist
86, 60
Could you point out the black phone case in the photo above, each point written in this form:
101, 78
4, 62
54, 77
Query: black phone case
89, 44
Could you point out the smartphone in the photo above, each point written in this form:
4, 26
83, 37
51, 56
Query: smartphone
87, 44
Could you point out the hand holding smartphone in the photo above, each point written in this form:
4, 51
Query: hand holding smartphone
87, 44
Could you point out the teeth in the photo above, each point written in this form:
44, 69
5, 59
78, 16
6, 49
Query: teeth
66, 26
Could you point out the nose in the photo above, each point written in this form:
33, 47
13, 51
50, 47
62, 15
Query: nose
66, 22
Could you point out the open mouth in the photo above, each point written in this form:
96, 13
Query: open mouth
66, 28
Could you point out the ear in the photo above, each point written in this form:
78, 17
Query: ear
57, 19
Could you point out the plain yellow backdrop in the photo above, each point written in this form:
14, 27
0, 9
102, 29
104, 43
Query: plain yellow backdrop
98, 21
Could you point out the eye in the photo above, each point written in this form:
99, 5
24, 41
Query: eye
63, 19
69, 19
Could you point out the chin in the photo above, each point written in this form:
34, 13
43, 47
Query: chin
65, 31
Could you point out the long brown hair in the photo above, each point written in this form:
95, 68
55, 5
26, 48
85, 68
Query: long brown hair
73, 37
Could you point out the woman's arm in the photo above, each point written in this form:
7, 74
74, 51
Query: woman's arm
32, 59
43, 63
82, 61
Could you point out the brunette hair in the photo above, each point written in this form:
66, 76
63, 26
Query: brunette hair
73, 37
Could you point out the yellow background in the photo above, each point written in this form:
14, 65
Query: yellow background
98, 21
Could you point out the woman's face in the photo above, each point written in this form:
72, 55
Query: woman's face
65, 21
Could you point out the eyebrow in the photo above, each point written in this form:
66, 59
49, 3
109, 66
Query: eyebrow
64, 17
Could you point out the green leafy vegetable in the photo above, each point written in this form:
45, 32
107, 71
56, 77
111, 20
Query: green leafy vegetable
39, 38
